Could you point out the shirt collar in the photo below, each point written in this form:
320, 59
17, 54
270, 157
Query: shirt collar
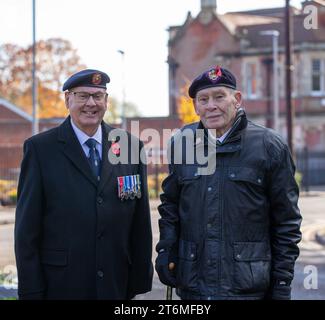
220, 139
83, 137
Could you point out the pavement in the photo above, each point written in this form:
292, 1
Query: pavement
7, 215
312, 256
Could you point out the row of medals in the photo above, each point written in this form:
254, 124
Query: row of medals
129, 187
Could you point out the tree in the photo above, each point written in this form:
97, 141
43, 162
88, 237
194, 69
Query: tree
186, 110
114, 111
56, 60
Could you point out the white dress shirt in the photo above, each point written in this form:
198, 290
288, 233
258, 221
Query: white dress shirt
220, 139
82, 137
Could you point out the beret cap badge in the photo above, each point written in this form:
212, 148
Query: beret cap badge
214, 74
97, 79
213, 77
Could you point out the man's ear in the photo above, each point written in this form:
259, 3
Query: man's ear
238, 97
66, 99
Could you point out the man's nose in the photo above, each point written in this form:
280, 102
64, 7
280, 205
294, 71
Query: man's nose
91, 101
211, 104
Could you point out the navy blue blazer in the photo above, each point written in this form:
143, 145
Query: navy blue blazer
74, 237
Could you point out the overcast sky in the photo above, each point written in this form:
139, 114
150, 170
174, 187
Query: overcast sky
98, 28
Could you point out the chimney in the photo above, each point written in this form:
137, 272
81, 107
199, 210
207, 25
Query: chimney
209, 5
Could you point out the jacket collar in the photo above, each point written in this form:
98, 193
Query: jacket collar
73, 151
240, 123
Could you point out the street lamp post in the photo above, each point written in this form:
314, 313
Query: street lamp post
275, 36
122, 53
289, 68
35, 126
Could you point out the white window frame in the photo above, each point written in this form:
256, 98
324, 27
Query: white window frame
248, 80
322, 77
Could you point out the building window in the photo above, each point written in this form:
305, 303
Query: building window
317, 80
251, 80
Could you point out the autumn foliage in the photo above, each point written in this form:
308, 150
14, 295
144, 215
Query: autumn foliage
186, 109
56, 60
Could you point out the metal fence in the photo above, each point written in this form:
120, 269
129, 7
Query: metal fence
311, 164
10, 158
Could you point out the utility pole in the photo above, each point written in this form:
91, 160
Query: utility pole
289, 67
122, 53
35, 125
275, 48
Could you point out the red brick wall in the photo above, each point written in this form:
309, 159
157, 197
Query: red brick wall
14, 130
195, 50
6, 114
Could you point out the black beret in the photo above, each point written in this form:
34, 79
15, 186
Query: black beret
87, 78
215, 77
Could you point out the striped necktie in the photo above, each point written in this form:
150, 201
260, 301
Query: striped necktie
94, 158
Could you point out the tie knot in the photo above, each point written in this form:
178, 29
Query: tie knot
91, 143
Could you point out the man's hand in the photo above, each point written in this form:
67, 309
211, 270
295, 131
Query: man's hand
166, 270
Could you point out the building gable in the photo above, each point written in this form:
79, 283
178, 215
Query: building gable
9, 111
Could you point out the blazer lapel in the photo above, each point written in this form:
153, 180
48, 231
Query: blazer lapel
73, 150
106, 170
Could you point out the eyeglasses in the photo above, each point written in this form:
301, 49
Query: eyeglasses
84, 96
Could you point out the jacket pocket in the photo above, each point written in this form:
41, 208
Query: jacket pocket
246, 197
246, 174
187, 265
252, 265
190, 173
54, 257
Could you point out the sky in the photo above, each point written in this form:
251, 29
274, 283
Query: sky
99, 28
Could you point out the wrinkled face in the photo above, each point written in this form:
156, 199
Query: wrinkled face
217, 108
86, 111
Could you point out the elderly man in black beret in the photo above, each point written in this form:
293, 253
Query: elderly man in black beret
231, 232
83, 226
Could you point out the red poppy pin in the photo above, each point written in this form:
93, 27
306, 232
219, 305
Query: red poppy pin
116, 148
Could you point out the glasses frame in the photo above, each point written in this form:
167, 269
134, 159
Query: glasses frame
90, 95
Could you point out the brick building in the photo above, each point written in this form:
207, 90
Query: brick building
15, 128
233, 40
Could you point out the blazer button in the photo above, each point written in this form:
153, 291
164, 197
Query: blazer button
100, 274
99, 200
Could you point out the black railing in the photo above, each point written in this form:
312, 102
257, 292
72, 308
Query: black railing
311, 165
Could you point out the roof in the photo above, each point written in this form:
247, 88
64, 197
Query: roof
15, 109
320, 2
234, 20
301, 35
269, 12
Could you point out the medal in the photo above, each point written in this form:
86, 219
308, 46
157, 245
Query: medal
127, 187
132, 186
120, 182
138, 184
